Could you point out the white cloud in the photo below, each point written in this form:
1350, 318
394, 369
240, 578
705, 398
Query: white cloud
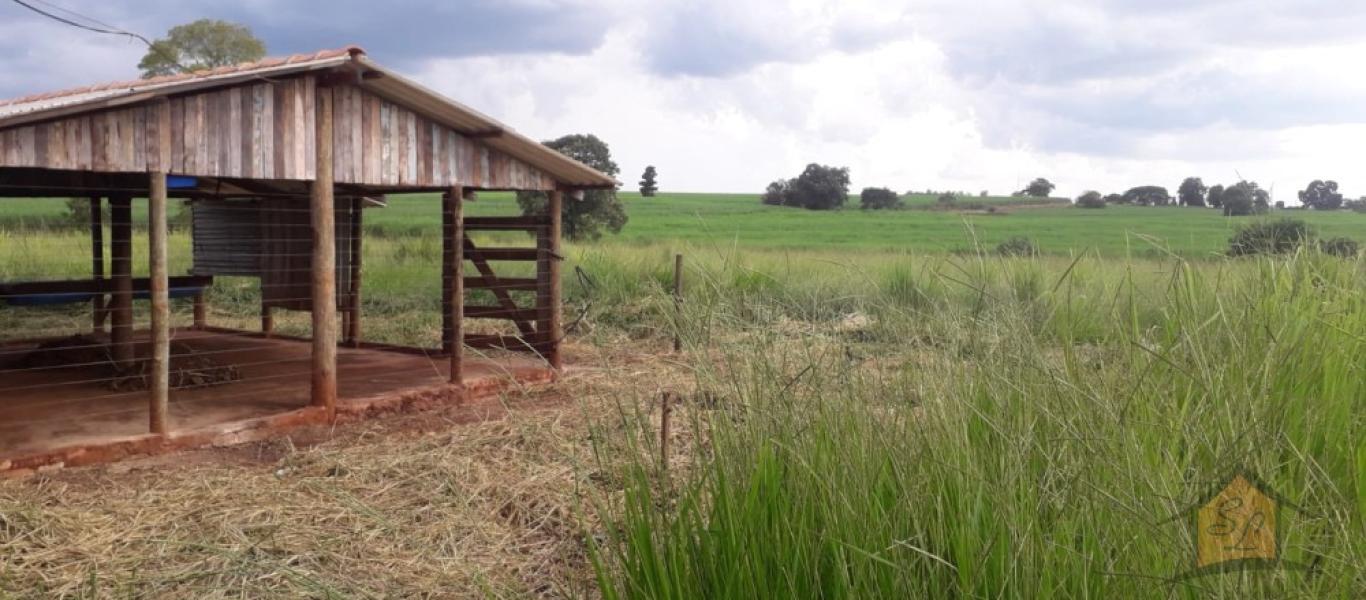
726, 96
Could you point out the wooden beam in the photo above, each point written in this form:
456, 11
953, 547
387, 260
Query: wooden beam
502, 342
509, 284
353, 324
97, 262
486, 273
324, 284
457, 284
551, 332
337, 77
500, 312
483, 134
506, 223
508, 254
97, 286
159, 371
121, 270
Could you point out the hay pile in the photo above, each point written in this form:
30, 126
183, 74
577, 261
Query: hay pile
189, 369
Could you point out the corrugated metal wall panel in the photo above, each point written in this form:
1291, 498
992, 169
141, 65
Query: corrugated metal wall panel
271, 239
226, 237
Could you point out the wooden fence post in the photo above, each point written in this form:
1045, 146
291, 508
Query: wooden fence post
456, 298
97, 262
678, 302
553, 336
324, 282
121, 271
159, 373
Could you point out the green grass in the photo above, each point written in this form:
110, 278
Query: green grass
996, 428
722, 220
897, 412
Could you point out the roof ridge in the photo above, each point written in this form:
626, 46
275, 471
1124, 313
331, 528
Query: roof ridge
264, 63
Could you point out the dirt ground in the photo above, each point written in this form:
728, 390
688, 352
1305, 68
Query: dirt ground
50, 408
489, 498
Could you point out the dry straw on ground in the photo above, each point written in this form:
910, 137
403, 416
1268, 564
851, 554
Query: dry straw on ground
487, 499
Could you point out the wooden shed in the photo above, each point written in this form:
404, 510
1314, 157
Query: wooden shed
280, 159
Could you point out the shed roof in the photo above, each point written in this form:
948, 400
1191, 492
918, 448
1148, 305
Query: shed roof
382, 81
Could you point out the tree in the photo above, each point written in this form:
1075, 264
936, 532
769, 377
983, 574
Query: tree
878, 198
1245, 198
1114, 199
1039, 188
818, 188
1091, 199
1147, 195
1321, 195
201, 45
599, 209
1192, 192
777, 193
647, 182
1216, 196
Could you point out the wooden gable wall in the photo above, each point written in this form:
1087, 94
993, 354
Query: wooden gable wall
379, 142
265, 131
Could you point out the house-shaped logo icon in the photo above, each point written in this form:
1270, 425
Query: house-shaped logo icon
1237, 524
1237, 527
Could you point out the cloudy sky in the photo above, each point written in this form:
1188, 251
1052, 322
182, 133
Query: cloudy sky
726, 95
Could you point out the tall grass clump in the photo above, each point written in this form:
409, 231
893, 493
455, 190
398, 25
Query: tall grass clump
978, 455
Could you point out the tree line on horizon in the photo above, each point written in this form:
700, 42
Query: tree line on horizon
1241, 198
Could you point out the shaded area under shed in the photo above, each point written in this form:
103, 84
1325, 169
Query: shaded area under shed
51, 414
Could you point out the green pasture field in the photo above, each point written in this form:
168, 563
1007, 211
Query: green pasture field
717, 219
723, 220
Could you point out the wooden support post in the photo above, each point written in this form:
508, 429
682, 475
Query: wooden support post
456, 297
267, 320
201, 313
159, 371
678, 302
97, 262
552, 323
324, 288
121, 270
344, 307
447, 271
353, 325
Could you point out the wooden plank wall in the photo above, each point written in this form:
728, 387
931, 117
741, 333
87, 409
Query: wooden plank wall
258, 131
265, 131
378, 142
